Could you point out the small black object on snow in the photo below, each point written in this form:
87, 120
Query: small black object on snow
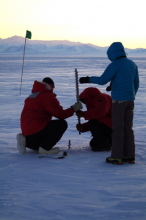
64, 153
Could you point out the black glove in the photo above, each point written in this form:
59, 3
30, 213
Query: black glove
79, 127
84, 79
80, 113
109, 88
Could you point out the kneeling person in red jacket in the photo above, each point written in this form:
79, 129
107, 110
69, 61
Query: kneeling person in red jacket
39, 132
99, 118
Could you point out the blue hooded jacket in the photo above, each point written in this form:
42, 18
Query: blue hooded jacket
122, 72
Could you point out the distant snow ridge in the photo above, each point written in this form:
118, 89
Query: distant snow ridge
139, 51
15, 45
20, 49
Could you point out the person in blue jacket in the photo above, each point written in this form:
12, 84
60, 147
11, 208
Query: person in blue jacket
123, 75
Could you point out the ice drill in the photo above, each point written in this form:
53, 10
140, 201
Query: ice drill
77, 92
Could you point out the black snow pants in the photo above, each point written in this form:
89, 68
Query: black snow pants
47, 137
102, 136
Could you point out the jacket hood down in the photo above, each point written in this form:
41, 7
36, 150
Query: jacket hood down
39, 108
115, 51
41, 87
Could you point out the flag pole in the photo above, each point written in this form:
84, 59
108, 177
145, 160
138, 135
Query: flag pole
28, 35
22, 65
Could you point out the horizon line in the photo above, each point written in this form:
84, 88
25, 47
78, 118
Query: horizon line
69, 41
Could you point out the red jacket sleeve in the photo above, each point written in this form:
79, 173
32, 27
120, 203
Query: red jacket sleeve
54, 108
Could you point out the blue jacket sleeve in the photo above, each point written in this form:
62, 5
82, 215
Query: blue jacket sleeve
108, 74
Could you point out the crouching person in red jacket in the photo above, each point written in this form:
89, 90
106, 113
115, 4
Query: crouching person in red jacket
39, 132
99, 118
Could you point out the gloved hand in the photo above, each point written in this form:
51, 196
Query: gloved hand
108, 89
79, 127
84, 79
80, 113
77, 106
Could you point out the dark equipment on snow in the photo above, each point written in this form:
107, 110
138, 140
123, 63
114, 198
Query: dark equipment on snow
69, 144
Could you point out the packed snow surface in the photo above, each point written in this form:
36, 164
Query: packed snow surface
82, 186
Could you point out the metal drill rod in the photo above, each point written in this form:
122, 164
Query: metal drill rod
77, 92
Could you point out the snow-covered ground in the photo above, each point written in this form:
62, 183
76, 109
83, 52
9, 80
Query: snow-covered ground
82, 186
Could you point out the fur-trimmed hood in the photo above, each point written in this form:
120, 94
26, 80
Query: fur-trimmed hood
39, 86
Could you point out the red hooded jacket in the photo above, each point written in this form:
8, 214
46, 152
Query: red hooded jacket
39, 108
99, 106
